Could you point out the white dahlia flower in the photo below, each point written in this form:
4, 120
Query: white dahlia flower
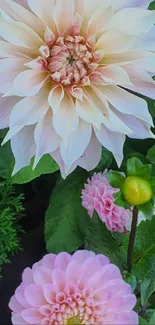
65, 69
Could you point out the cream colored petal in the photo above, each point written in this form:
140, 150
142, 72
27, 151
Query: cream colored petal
23, 147
19, 13
112, 141
20, 34
133, 21
77, 143
9, 69
92, 154
44, 10
114, 75
55, 97
63, 14
29, 82
8, 50
46, 139
65, 119
6, 105
114, 42
126, 57
121, 4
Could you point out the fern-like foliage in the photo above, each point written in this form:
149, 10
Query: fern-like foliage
11, 209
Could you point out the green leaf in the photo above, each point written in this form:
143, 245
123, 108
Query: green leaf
66, 220
152, 320
144, 250
116, 179
100, 240
133, 164
147, 287
147, 209
144, 171
151, 155
142, 321
152, 183
119, 200
46, 166
131, 279
152, 7
6, 161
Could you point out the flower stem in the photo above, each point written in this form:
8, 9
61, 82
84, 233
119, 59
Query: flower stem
132, 238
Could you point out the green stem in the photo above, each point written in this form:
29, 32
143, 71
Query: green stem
132, 238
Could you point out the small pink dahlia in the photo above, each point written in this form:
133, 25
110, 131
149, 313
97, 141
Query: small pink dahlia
98, 195
65, 68
65, 289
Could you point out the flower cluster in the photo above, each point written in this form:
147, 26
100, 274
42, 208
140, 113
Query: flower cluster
65, 67
80, 289
98, 196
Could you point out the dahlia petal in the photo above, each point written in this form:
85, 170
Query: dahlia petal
82, 255
63, 8
121, 4
19, 295
63, 168
103, 260
99, 19
17, 319
32, 316
20, 34
87, 111
50, 292
8, 50
110, 272
42, 275
22, 3
34, 295
73, 271
114, 42
6, 105
146, 41
15, 305
47, 140
112, 141
62, 260
58, 279
92, 155
28, 83
44, 10
115, 75
127, 103
133, 21
27, 276
9, 69
48, 260
90, 266
21, 14
55, 97
23, 147
76, 144
65, 120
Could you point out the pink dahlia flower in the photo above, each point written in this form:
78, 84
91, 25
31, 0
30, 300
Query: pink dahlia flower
65, 69
98, 195
67, 290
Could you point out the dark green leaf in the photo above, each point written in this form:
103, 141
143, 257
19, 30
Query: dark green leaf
147, 287
6, 161
133, 164
152, 7
100, 240
46, 166
131, 279
144, 250
152, 182
147, 209
151, 155
66, 220
152, 320
142, 321
116, 179
144, 171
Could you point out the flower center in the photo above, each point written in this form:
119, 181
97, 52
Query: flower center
75, 320
71, 61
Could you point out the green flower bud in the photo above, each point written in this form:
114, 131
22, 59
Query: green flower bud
136, 190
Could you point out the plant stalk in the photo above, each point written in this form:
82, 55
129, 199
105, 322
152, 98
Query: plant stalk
132, 238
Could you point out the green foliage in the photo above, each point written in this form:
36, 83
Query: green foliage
133, 164
131, 279
10, 210
151, 155
116, 179
46, 166
152, 320
66, 220
144, 250
147, 287
100, 240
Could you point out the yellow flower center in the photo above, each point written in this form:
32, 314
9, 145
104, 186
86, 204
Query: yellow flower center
75, 320
136, 190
